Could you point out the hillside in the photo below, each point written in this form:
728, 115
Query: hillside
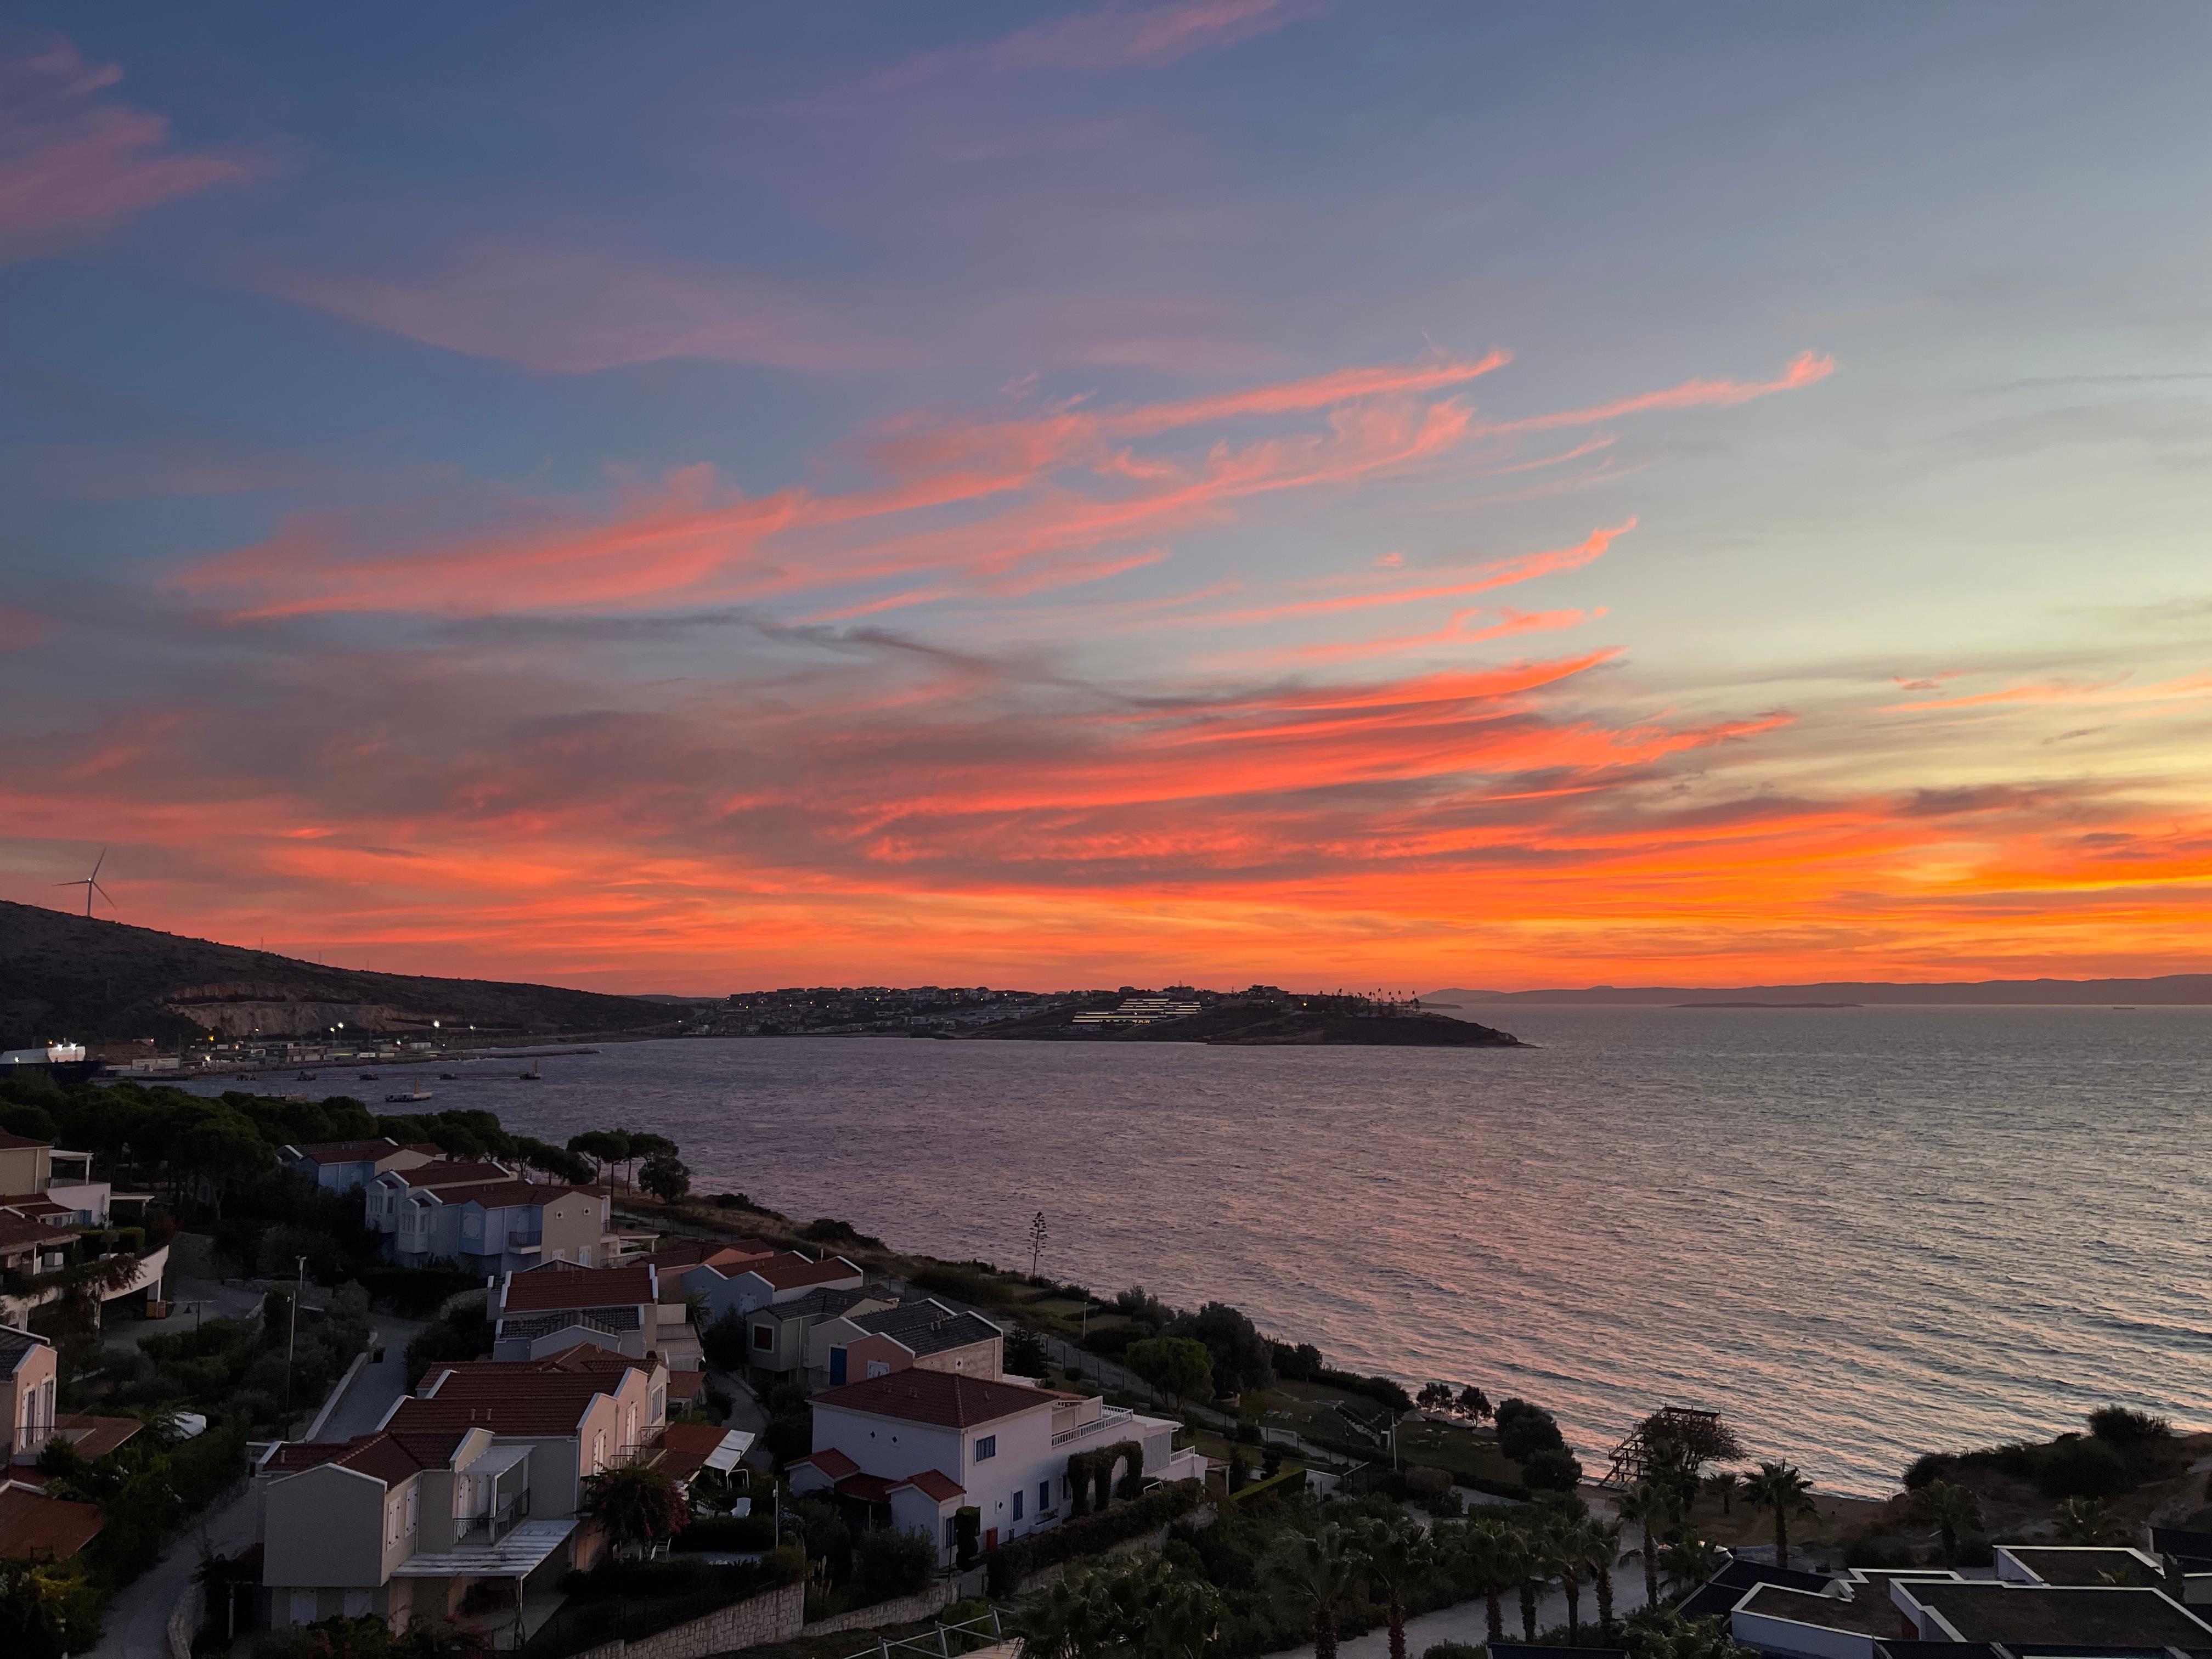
1260, 1024
88, 980
2189, 989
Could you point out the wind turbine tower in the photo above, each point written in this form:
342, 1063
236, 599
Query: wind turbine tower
91, 884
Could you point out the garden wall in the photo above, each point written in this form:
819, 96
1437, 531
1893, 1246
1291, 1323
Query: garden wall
900, 1610
776, 1615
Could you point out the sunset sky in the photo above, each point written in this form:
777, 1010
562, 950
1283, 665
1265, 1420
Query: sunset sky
688, 497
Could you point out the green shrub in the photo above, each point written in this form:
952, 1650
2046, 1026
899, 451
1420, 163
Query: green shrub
2118, 1426
418, 1292
1553, 1468
1524, 1430
729, 1534
1455, 1651
888, 1563
1877, 1550
1010, 1563
2081, 1469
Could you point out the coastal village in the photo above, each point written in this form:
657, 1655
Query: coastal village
293, 1378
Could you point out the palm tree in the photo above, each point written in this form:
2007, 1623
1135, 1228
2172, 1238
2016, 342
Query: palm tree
1693, 1561
1648, 1509
1562, 1554
1495, 1554
1785, 1490
1323, 1569
1601, 1544
1724, 1487
2083, 1521
1182, 1618
1951, 1509
1395, 1554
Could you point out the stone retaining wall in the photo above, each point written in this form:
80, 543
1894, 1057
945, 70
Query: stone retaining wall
900, 1610
777, 1615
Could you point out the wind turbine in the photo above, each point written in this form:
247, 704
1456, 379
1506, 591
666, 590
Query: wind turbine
91, 884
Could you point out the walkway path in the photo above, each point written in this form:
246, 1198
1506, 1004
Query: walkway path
1468, 1621
375, 1386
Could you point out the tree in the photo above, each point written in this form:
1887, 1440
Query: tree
225, 1150
1524, 1430
2084, 1521
666, 1178
635, 1505
887, 1562
1550, 1468
2117, 1425
1496, 1561
1025, 1354
1690, 1562
1180, 1367
1436, 1397
1475, 1405
1662, 1633
1560, 1561
604, 1147
1600, 1541
1322, 1569
1649, 1509
1951, 1509
1780, 1488
46, 1610
1724, 1487
1395, 1554
1243, 1358
555, 1161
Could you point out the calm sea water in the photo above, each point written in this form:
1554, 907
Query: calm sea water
1861, 1233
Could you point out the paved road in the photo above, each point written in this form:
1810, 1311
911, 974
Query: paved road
375, 1386
136, 1624
196, 1299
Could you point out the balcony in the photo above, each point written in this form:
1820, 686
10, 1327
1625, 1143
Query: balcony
1107, 1420
518, 1240
481, 1529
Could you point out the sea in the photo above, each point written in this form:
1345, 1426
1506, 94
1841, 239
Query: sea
1859, 1233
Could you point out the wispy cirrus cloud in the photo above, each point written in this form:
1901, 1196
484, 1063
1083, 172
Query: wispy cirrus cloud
1113, 38
74, 159
958, 501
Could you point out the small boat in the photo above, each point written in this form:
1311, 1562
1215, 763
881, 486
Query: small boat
306, 1076
449, 1077
411, 1095
368, 1076
531, 1075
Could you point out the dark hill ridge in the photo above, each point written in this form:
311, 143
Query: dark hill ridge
89, 980
2168, 990
1260, 1024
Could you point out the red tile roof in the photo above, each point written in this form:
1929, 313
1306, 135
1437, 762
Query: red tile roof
830, 1461
18, 1230
505, 1400
501, 1194
868, 1488
932, 1484
36, 1528
578, 1359
436, 1174
684, 1386
10, 1143
347, 1151
684, 1448
944, 1398
40, 1205
387, 1456
556, 1288
695, 1252
789, 1271
95, 1437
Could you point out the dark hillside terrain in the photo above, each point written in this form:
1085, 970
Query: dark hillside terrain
1257, 1024
88, 979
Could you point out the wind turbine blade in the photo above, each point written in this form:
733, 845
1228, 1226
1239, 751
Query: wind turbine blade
69, 884
96, 863
105, 894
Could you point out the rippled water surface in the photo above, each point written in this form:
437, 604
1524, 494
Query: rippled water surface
1862, 1233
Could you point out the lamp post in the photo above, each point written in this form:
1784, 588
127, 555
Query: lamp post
292, 1341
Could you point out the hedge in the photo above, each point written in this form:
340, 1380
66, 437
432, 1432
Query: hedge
727, 1534
1010, 1563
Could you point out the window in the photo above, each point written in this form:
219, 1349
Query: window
880, 1367
1044, 1494
988, 1447
951, 1527
1018, 1503
599, 1451
763, 1336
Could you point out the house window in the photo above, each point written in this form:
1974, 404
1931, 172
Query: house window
880, 1367
1018, 1503
988, 1447
1044, 1494
763, 1336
